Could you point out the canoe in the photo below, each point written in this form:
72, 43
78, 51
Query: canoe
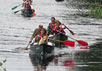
41, 54
59, 0
60, 37
27, 13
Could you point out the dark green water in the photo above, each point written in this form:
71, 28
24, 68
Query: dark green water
91, 60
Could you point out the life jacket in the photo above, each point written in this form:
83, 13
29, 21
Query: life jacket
43, 39
52, 25
26, 5
40, 35
58, 30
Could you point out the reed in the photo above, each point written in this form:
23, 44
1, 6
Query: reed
96, 9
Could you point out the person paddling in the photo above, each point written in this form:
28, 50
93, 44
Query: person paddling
43, 37
51, 25
36, 32
37, 59
27, 11
57, 28
30, 2
26, 4
59, 34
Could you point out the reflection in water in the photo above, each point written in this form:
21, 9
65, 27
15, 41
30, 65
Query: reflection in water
91, 60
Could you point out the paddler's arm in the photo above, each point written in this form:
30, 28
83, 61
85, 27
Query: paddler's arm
33, 35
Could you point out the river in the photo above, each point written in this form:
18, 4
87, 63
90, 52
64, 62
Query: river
15, 32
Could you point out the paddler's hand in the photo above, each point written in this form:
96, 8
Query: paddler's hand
62, 26
30, 41
25, 48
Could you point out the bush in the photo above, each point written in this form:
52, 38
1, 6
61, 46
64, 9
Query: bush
1, 65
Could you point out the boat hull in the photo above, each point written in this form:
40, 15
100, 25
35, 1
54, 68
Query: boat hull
27, 13
59, 0
41, 54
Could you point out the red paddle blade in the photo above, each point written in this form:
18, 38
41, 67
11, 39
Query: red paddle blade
69, 43
34, 14
69, 63
83, 43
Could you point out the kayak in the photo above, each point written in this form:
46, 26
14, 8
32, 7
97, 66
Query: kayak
41, 54
27, 13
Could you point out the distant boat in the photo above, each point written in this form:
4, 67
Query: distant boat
28, 12
59, 0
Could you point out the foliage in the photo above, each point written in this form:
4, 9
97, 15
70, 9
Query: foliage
1, 65
96, 9
88, 8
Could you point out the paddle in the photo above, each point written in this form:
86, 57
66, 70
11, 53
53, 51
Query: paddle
16, 6
27, 47
69, 63
29, 42
83, 43
17, 11
67, 42
69, 29
34, 14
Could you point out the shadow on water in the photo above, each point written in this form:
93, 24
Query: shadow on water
91, 60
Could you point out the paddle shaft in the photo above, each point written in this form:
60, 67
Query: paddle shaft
16, 6
83, 43
17, 11
71, 38
27, 46
69, 30
32, 39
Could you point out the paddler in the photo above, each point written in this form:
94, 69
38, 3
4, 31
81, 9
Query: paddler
51, 25
58, 28
36, 32
27, 7
59, 34
43, 37
36, 60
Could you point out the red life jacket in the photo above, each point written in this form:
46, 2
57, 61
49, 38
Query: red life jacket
52, 25
41, 35
60, 29
27, 6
